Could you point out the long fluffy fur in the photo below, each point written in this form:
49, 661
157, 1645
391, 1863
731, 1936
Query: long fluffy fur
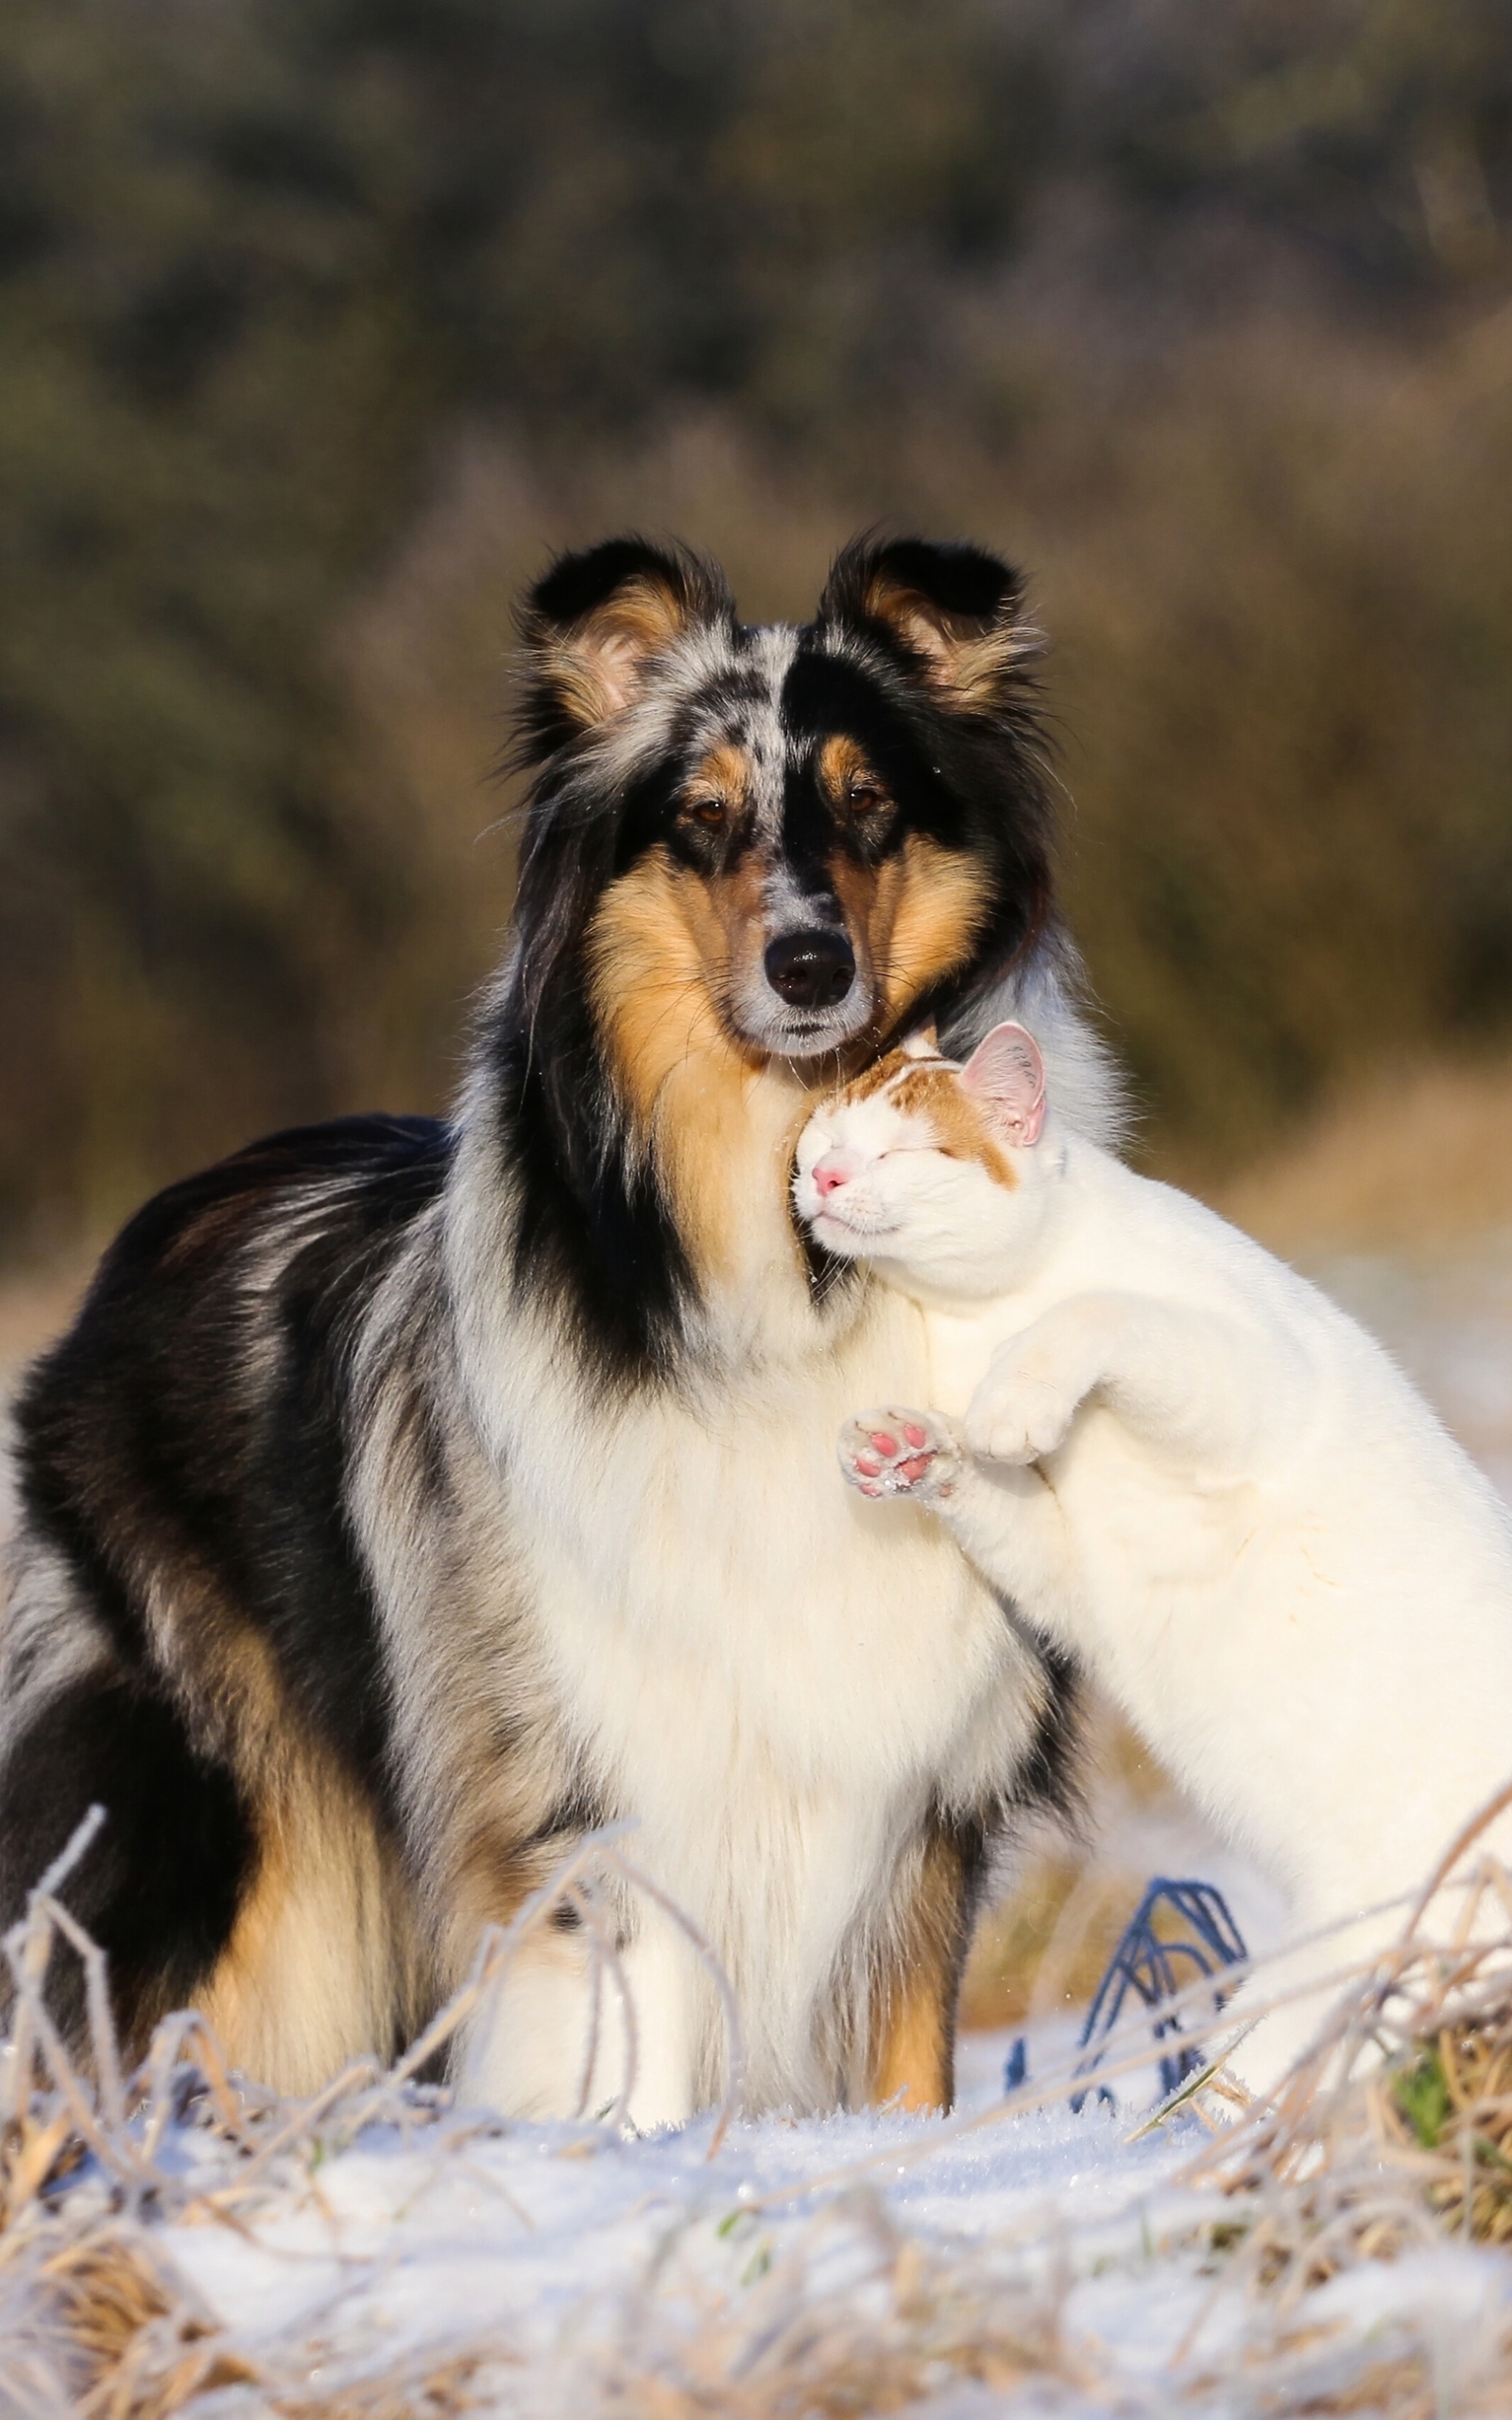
1198, 1475
391, 1512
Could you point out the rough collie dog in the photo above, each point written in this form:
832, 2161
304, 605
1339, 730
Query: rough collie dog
411, 1498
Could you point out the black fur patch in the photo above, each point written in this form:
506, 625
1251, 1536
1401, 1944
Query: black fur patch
962, 580
1049, 1773
190, 1436
193, 1421
593, 1232
159, 1886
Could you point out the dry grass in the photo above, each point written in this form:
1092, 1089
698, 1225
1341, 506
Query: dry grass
1396, 2127
94, 2319
788, 2348
1357, 2161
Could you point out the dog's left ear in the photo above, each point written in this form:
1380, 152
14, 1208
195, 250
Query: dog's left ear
597, 623
955, 613
1007, 1075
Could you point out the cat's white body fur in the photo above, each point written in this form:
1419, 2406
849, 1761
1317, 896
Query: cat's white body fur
1191, 1468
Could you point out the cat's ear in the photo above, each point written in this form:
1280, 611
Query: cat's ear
1007, 1075
924, 1042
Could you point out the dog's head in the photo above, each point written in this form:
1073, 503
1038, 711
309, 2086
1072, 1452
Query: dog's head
836, 830
750, 855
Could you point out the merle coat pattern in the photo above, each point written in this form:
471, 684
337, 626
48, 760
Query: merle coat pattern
390, 1514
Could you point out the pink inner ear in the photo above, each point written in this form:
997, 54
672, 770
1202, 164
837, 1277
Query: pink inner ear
1007, 1075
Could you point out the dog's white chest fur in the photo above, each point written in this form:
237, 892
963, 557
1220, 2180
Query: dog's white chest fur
770, 1677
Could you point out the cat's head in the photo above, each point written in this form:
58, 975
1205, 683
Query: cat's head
937, 1172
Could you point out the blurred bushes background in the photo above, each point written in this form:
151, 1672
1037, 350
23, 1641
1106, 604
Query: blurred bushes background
322, 320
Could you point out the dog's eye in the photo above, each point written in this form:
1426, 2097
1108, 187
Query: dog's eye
863, 798
712, 813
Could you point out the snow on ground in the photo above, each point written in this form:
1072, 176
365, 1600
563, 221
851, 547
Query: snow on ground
1039, 2264
540, 2237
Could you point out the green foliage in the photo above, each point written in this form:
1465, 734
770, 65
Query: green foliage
1422, 2095
1142, 294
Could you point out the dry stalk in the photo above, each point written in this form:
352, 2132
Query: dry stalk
908, 2323
1396, 2126
432, 2388
1355, 2159
107, 2330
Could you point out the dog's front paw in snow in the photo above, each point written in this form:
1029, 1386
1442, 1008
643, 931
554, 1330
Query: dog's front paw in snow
1017, 1414
900, 1453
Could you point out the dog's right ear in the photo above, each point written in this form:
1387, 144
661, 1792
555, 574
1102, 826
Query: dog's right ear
595, 626
954, 613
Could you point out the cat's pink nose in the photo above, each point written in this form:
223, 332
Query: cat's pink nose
832, 1173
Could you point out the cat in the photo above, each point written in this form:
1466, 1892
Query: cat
1188, 1468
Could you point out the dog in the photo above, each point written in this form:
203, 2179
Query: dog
389, 1517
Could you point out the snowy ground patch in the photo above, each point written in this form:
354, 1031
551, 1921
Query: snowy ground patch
432, 2260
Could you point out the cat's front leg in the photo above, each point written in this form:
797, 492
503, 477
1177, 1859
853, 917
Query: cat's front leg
1008, 1521
1189, 1381
1038, 1382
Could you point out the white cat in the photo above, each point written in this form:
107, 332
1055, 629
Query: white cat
1189, 1467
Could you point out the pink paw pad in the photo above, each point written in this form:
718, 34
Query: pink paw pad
893, 1453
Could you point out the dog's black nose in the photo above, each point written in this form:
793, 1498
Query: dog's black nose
811, 970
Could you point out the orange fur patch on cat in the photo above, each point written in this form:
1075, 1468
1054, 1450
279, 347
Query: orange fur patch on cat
927, 1089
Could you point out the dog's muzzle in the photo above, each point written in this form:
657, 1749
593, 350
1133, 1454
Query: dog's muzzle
811, 970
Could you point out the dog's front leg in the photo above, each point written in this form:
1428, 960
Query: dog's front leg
918, 1980
575, 2029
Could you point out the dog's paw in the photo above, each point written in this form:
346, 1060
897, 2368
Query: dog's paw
1017, 1415
900, 1453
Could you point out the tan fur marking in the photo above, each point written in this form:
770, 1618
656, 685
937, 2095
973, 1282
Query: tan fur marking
959, 1126
662, 949
875, 1078
599, 664
928, 1090
915, 2041
308, 1978
975, 661
867, 899
911, 917
488, 1877
935, 919
723, 773
844, 767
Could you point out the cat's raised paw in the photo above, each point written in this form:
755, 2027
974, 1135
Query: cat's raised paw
900, 1453
1016, 1416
